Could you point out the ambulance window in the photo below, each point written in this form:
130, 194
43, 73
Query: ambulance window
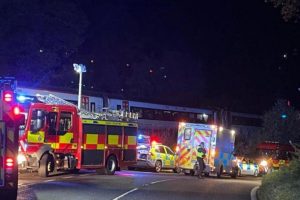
169, 151
65, 122
161, 149
187, 133
51, 123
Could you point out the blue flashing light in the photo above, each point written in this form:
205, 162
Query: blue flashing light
283, 116
140, 137
21, 98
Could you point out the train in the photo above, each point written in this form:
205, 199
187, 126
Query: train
160, 121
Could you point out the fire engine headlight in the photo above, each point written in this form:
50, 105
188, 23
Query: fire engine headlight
21, 158
263, 163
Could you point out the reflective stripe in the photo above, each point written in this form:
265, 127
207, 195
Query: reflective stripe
110, 123
38, 137
91, 139
66, 138
100, 146
131, 140
113, 139
93, 146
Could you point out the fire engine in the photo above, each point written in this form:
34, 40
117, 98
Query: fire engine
10, 120
219, 145
60, 137
274, 155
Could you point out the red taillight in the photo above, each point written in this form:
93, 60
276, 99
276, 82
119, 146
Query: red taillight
16, 110
9, 163
8, 96
275, 161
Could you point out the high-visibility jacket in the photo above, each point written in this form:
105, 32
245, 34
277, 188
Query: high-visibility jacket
201, 152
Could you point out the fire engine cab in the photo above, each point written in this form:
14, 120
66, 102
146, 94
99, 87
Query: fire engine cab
60, 137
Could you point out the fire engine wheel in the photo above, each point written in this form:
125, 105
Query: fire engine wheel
111, 165
46, 165
158, 166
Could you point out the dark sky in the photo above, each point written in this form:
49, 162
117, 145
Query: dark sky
235, 54
238, 55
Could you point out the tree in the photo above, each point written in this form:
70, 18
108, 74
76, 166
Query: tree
289, 8
281, 123
38, 36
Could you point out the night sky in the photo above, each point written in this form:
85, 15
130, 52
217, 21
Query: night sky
239, 55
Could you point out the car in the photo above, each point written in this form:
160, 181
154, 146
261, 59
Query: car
248, 167
157, 157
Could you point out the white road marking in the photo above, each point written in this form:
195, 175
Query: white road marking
145, 185
130, 191
84, 174
48, 180
154, 182
253, 193
68, 177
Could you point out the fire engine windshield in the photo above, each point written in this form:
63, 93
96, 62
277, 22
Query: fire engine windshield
37, 120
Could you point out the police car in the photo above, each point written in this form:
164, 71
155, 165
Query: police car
156, 157
248, 167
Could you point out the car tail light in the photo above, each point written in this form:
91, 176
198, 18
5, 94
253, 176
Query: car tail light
275, 161
16, 110
9, 163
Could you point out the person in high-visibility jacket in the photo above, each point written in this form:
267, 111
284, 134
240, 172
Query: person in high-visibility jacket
201, 152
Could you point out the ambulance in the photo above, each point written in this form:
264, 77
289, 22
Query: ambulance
153, 155
219, 145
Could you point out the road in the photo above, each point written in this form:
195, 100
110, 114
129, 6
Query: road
133, 185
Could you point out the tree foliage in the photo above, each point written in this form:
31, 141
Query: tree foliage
37, 37
281, 123
289, 8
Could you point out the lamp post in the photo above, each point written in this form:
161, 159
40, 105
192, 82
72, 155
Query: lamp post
79, 68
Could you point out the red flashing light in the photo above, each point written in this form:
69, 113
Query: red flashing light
8, 96
9, 163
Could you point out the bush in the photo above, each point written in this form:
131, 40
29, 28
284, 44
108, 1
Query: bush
282, 185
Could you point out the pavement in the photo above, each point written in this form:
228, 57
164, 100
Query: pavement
134, 185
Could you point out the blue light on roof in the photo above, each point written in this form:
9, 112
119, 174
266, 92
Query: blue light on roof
21, 98
283, 116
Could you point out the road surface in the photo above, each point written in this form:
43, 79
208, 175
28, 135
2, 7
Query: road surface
133, 185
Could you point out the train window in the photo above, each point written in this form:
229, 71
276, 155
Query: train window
93, 107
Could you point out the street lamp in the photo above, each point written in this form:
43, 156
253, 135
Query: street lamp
79, 68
